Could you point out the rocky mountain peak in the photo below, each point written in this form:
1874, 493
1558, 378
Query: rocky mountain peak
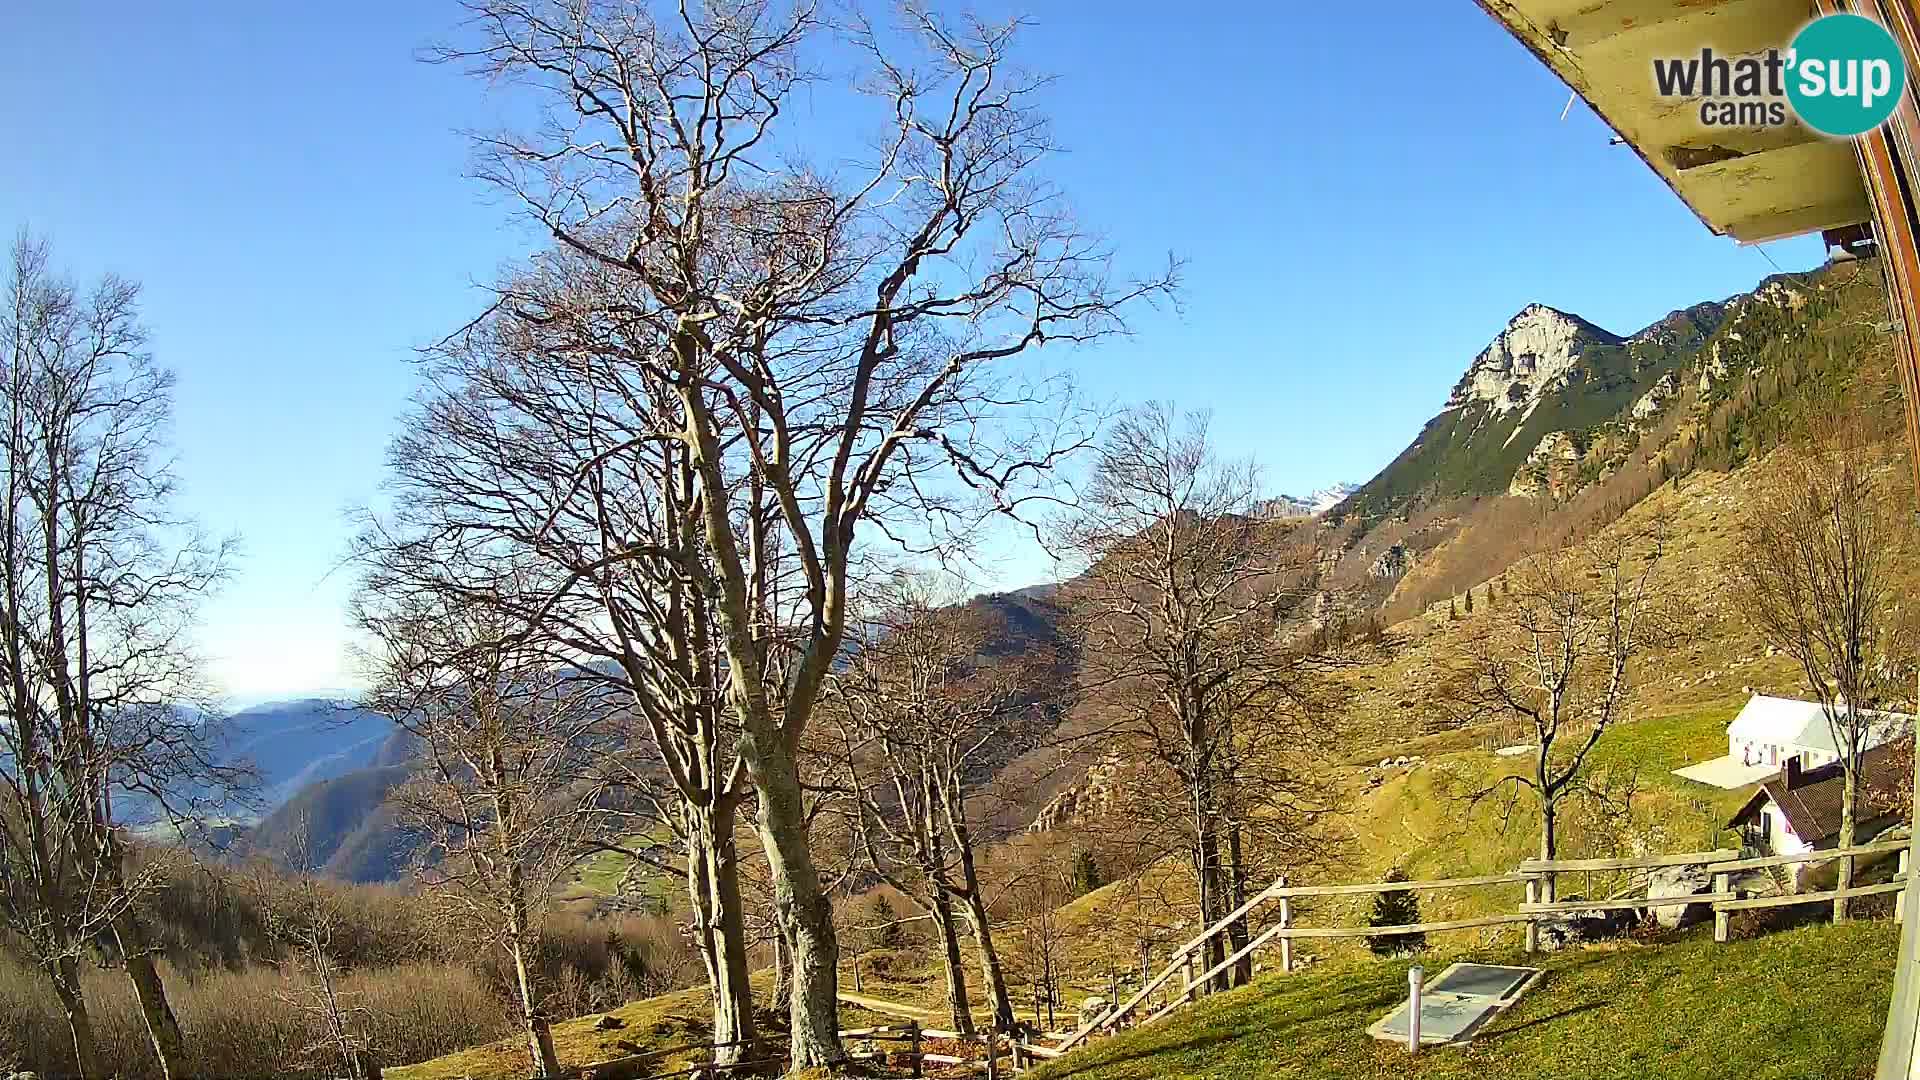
1535, 355
1321, 501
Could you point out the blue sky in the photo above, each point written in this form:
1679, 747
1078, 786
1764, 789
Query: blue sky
1363, 195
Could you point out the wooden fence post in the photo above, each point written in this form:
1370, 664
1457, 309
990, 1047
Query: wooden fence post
993, 1051
1533, 921
913, 1046
1899, 907
1722, 918
1286, 920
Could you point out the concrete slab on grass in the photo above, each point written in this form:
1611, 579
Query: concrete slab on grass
1726, 773
1457, 1004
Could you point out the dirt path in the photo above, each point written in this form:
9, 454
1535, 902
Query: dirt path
891, 1008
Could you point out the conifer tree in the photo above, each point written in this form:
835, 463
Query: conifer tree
1396, 909
1086, 872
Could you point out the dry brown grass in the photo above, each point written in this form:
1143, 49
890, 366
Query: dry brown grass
416, 989
243, 1024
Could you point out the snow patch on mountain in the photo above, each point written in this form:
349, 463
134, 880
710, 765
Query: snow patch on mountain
1321, 501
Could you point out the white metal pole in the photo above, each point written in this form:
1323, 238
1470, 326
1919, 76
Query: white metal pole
1416, 977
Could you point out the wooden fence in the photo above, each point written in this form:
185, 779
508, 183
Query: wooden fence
1009, 1052
1539, 881
993, 1053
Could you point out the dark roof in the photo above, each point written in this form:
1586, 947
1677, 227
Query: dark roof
1812, 807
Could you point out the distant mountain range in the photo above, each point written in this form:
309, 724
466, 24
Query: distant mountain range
1312, 505
292, 744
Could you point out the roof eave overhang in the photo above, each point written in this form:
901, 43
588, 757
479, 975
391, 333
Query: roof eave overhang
1753, 184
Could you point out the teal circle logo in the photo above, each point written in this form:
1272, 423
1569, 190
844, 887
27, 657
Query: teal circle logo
1846, 75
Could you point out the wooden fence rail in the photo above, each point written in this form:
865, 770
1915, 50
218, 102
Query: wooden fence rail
1539, 879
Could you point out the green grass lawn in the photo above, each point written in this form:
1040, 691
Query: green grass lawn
1802, 1003
601, 873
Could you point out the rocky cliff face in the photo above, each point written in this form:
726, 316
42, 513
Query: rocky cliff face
1392, 563
1650, 403
1539, 352
1550, 469
1090, 799
1749, 320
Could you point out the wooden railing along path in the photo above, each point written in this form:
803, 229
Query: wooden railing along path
1539, 880
998, 1051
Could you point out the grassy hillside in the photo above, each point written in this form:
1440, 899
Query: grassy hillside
341, 824
641, 1027
1806, 1003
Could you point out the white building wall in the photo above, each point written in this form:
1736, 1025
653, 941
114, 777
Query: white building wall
1781, 838
1757, 752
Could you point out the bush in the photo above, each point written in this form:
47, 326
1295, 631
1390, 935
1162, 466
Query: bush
246, 1024
414, 990
1086, 872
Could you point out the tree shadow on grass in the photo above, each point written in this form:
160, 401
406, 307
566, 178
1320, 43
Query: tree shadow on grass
1358, 1003
1494, 1036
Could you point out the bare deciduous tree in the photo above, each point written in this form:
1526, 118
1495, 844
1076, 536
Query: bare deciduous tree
1561, 654
826, 336
303, 915
532, 447
1190, 620
1814, 574
98, 679
506, 741
1046, 940
926, 713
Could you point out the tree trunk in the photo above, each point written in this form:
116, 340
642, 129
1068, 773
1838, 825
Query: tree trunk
1213, 894
163, 1028
957, 1003
1549, 847
800, 904
1237, 934
1849, 815
713, 879
66, 986
782, 998
539, 1029
977, 914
